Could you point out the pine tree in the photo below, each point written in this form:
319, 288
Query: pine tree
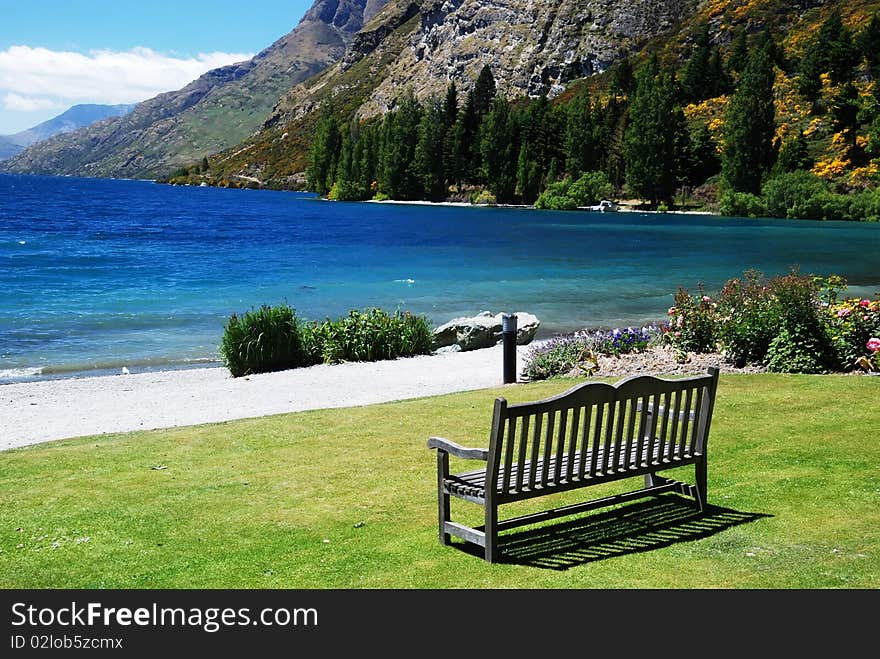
622, 78
397, 173
321, 170
810, 78
750, 125
695, 76
719, 81
484, 92
653, 145
739, 53
703, 160
580, 139
429, 151
450, 106
528, 177
794, 154
499, 148
836, 43
464, 163
868, 45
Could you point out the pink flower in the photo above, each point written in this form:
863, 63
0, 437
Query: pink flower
706, 298
678, 334
843, 313
671, 311
873, 344
864, 303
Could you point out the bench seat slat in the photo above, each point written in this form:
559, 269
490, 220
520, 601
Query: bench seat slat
473, 483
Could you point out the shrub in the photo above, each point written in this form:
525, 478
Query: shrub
753, 312
794, 195
566, 194
484, 198
693, 322
368, 336
795, 351
576, 354
852, 323
865, 206
556, 197
742, 204
262, 340
590, 188
560, 356
272, 339
618, 342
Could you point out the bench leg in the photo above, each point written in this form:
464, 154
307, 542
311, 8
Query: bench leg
491, 531
700, 475
442, 497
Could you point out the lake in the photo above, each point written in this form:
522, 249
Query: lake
99, 274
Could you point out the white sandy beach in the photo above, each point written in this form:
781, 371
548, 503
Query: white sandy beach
35, 412
42, 411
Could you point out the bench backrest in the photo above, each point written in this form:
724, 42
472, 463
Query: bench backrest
595, 428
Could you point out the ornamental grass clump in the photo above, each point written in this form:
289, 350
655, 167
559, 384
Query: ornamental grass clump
262, 340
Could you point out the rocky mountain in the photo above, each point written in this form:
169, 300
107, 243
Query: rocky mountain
532, 48
76, 117
214, 112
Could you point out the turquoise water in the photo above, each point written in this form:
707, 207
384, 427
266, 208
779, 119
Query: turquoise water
97, 274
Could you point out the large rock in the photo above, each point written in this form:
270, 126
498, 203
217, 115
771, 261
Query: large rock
483, 331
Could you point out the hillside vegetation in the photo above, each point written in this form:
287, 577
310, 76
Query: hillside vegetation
749, 108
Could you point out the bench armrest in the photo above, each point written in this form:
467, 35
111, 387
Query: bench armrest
458, 451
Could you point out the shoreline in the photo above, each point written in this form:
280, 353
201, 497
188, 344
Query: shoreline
48, 410
37, 412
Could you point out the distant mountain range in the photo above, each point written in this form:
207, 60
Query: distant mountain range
213, 113
76, 117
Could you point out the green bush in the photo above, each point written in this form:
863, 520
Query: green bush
742, 204
851, 323
794, 351
273, 339
561, 355
754, 311
484, 198
566, 194
693, 322
367, 336
795, 195
865, 206
262, 340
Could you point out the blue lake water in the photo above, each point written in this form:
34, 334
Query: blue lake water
97, 274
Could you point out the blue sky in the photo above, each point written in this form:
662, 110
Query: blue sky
56, 53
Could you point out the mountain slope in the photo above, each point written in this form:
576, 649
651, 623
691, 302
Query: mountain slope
76, 117
422, 45
217, 110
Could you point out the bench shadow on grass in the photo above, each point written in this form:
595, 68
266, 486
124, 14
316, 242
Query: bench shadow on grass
644, 526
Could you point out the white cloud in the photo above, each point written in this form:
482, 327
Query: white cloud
18, 103
38, 75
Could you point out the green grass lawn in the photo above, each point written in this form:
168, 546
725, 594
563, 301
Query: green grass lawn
347, 499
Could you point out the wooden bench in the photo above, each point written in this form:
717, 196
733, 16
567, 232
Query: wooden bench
593, 433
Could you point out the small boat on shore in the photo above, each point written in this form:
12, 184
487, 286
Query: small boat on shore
604, 206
